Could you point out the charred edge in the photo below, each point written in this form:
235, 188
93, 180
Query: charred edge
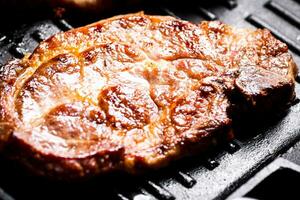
273, 107
17, 51
211, 164
207, 14
158, 191
259, 22
63, 24
231, 4
279, 9
232, 147
185, 179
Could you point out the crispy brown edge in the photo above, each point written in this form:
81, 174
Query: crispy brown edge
48, 165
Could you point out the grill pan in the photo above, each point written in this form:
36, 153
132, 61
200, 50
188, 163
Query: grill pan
212, 176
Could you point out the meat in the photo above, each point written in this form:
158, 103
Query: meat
135, 92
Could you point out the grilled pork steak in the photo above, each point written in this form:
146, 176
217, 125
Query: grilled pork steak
134, 92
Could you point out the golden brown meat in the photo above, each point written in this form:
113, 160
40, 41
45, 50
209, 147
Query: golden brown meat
134, 92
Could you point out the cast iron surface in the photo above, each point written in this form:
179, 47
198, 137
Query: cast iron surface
267, 184
214, 176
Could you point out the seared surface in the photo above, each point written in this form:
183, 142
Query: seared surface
135, 91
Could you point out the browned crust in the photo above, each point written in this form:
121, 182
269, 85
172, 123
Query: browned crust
63, 46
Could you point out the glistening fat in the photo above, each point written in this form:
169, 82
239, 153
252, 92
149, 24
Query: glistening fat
134, 92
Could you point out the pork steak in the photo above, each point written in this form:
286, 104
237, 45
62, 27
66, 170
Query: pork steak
134, 92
